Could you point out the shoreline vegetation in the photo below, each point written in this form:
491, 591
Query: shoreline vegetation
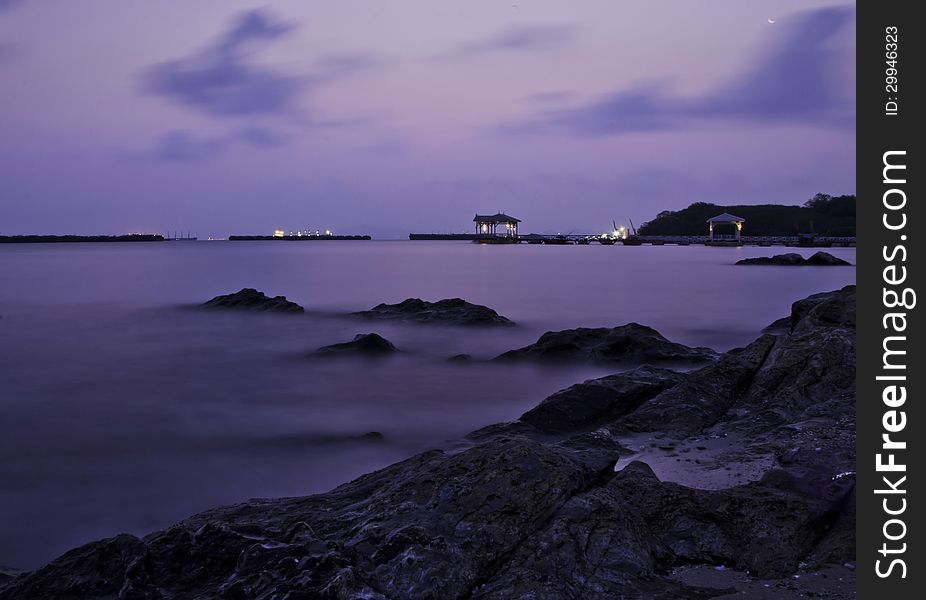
734, 478
824, 215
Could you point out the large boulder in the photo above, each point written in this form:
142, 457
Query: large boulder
368, 344
804, 373
792, 259
596, 402
454, 311
630, 344
825, 259
251, 299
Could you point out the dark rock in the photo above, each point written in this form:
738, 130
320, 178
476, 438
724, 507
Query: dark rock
460, 358
251, 299
825, 259
370, 344
8, 573
782, 325
631, 343
704, 396
453, 311
829, 309
373, 436
596, 402
792, 259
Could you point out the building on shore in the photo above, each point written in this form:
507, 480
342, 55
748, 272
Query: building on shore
489, 225
726, 219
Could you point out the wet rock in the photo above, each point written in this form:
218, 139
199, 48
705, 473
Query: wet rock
793, 259
825, 259
828, 309
251, 299
631, 343
369, 344
451, 311
8, 573
96, 570
596, 402
704, 396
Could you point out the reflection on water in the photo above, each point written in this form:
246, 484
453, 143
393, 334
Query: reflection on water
124, 409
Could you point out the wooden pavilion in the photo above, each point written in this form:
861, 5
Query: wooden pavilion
726, 219
490, 224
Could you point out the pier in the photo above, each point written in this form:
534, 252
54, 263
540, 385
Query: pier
501, 228
653, 240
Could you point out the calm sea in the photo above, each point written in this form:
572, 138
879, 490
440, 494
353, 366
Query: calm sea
126, 409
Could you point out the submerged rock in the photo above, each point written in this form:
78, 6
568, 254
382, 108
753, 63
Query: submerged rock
251, 299
631, 343
819, 259
371, 344
454, 311
535, 509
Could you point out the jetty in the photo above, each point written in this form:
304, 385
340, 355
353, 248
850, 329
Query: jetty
652, 240
501, 228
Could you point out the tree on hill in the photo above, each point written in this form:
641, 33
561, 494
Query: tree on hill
822, 214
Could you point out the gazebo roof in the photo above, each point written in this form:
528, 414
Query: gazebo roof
496, 218
726, 218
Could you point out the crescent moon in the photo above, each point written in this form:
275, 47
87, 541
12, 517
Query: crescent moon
771, 20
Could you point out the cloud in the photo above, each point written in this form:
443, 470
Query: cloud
8, 4
522, 39
260, 137
553, 97
185, 146
334, 66
791, 83
220, 81
7, 51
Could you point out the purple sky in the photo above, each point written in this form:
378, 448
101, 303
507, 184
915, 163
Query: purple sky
364, 116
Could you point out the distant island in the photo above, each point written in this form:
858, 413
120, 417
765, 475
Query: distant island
47, 239
823, 215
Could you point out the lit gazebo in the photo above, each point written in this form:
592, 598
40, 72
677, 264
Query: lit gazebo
727, 219
489, 224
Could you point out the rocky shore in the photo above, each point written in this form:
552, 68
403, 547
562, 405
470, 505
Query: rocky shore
736, 478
